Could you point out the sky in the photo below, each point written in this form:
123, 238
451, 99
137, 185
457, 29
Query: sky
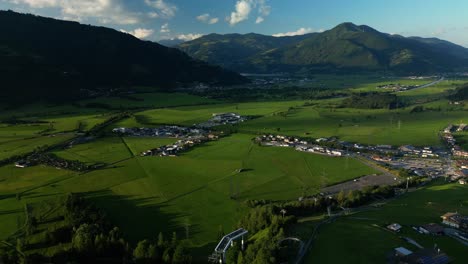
188, 19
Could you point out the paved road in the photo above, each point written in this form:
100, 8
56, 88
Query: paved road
412, 241
427, 85
451, 233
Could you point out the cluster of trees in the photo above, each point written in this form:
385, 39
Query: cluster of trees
37, 150
162, 251
268, 224
274, 93
371, 101
360, 197
460, 94
87, 236
53, 160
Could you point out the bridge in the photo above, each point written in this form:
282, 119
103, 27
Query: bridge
226, 242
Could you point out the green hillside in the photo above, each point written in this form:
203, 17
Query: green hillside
345, 48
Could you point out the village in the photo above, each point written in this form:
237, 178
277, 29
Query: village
188, 136
396, 87
449, 139
427, 161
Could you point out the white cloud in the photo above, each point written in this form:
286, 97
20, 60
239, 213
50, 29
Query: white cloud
213, 20
188, 37
300, 31
203, 18
165, 28
242, 12
105, 11
164, 9
141, 33
206, 18
243, 8
153, 15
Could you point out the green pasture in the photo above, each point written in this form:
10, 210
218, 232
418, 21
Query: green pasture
148, 195
372, 86
149, 100
23, 146
15, 132
359, 239
396, 127
104, 150
434, 92
205, 188
196, 114
140, 144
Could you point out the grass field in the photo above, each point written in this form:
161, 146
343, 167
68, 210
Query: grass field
164, 194
151, 100
105, 150
358, 238
462, 139
146, 195
195, 114
22, 146
396, 127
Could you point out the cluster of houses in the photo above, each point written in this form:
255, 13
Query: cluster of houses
298, 144
448, 137
396, 87
182, 132
188, 136
462, 171
422, 152
164, 131
454, 221
172, 150
223, 119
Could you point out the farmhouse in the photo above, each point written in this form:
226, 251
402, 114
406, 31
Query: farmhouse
458, 152
394, 227
402, 252
22, 164
462, 181
432, 229
462, 127
448, 129
455, 220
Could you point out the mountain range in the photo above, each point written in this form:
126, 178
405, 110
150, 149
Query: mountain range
45, 58
347, 47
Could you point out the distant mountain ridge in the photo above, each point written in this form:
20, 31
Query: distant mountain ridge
44, 58
171, 42
347, 47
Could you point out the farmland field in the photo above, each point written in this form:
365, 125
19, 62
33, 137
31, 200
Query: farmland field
196, 187
396, 127
360, 239
207, 187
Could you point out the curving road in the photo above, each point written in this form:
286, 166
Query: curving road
427, 85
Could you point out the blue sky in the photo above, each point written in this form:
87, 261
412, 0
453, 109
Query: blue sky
162, 19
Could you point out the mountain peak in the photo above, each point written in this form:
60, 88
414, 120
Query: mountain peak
351, 27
